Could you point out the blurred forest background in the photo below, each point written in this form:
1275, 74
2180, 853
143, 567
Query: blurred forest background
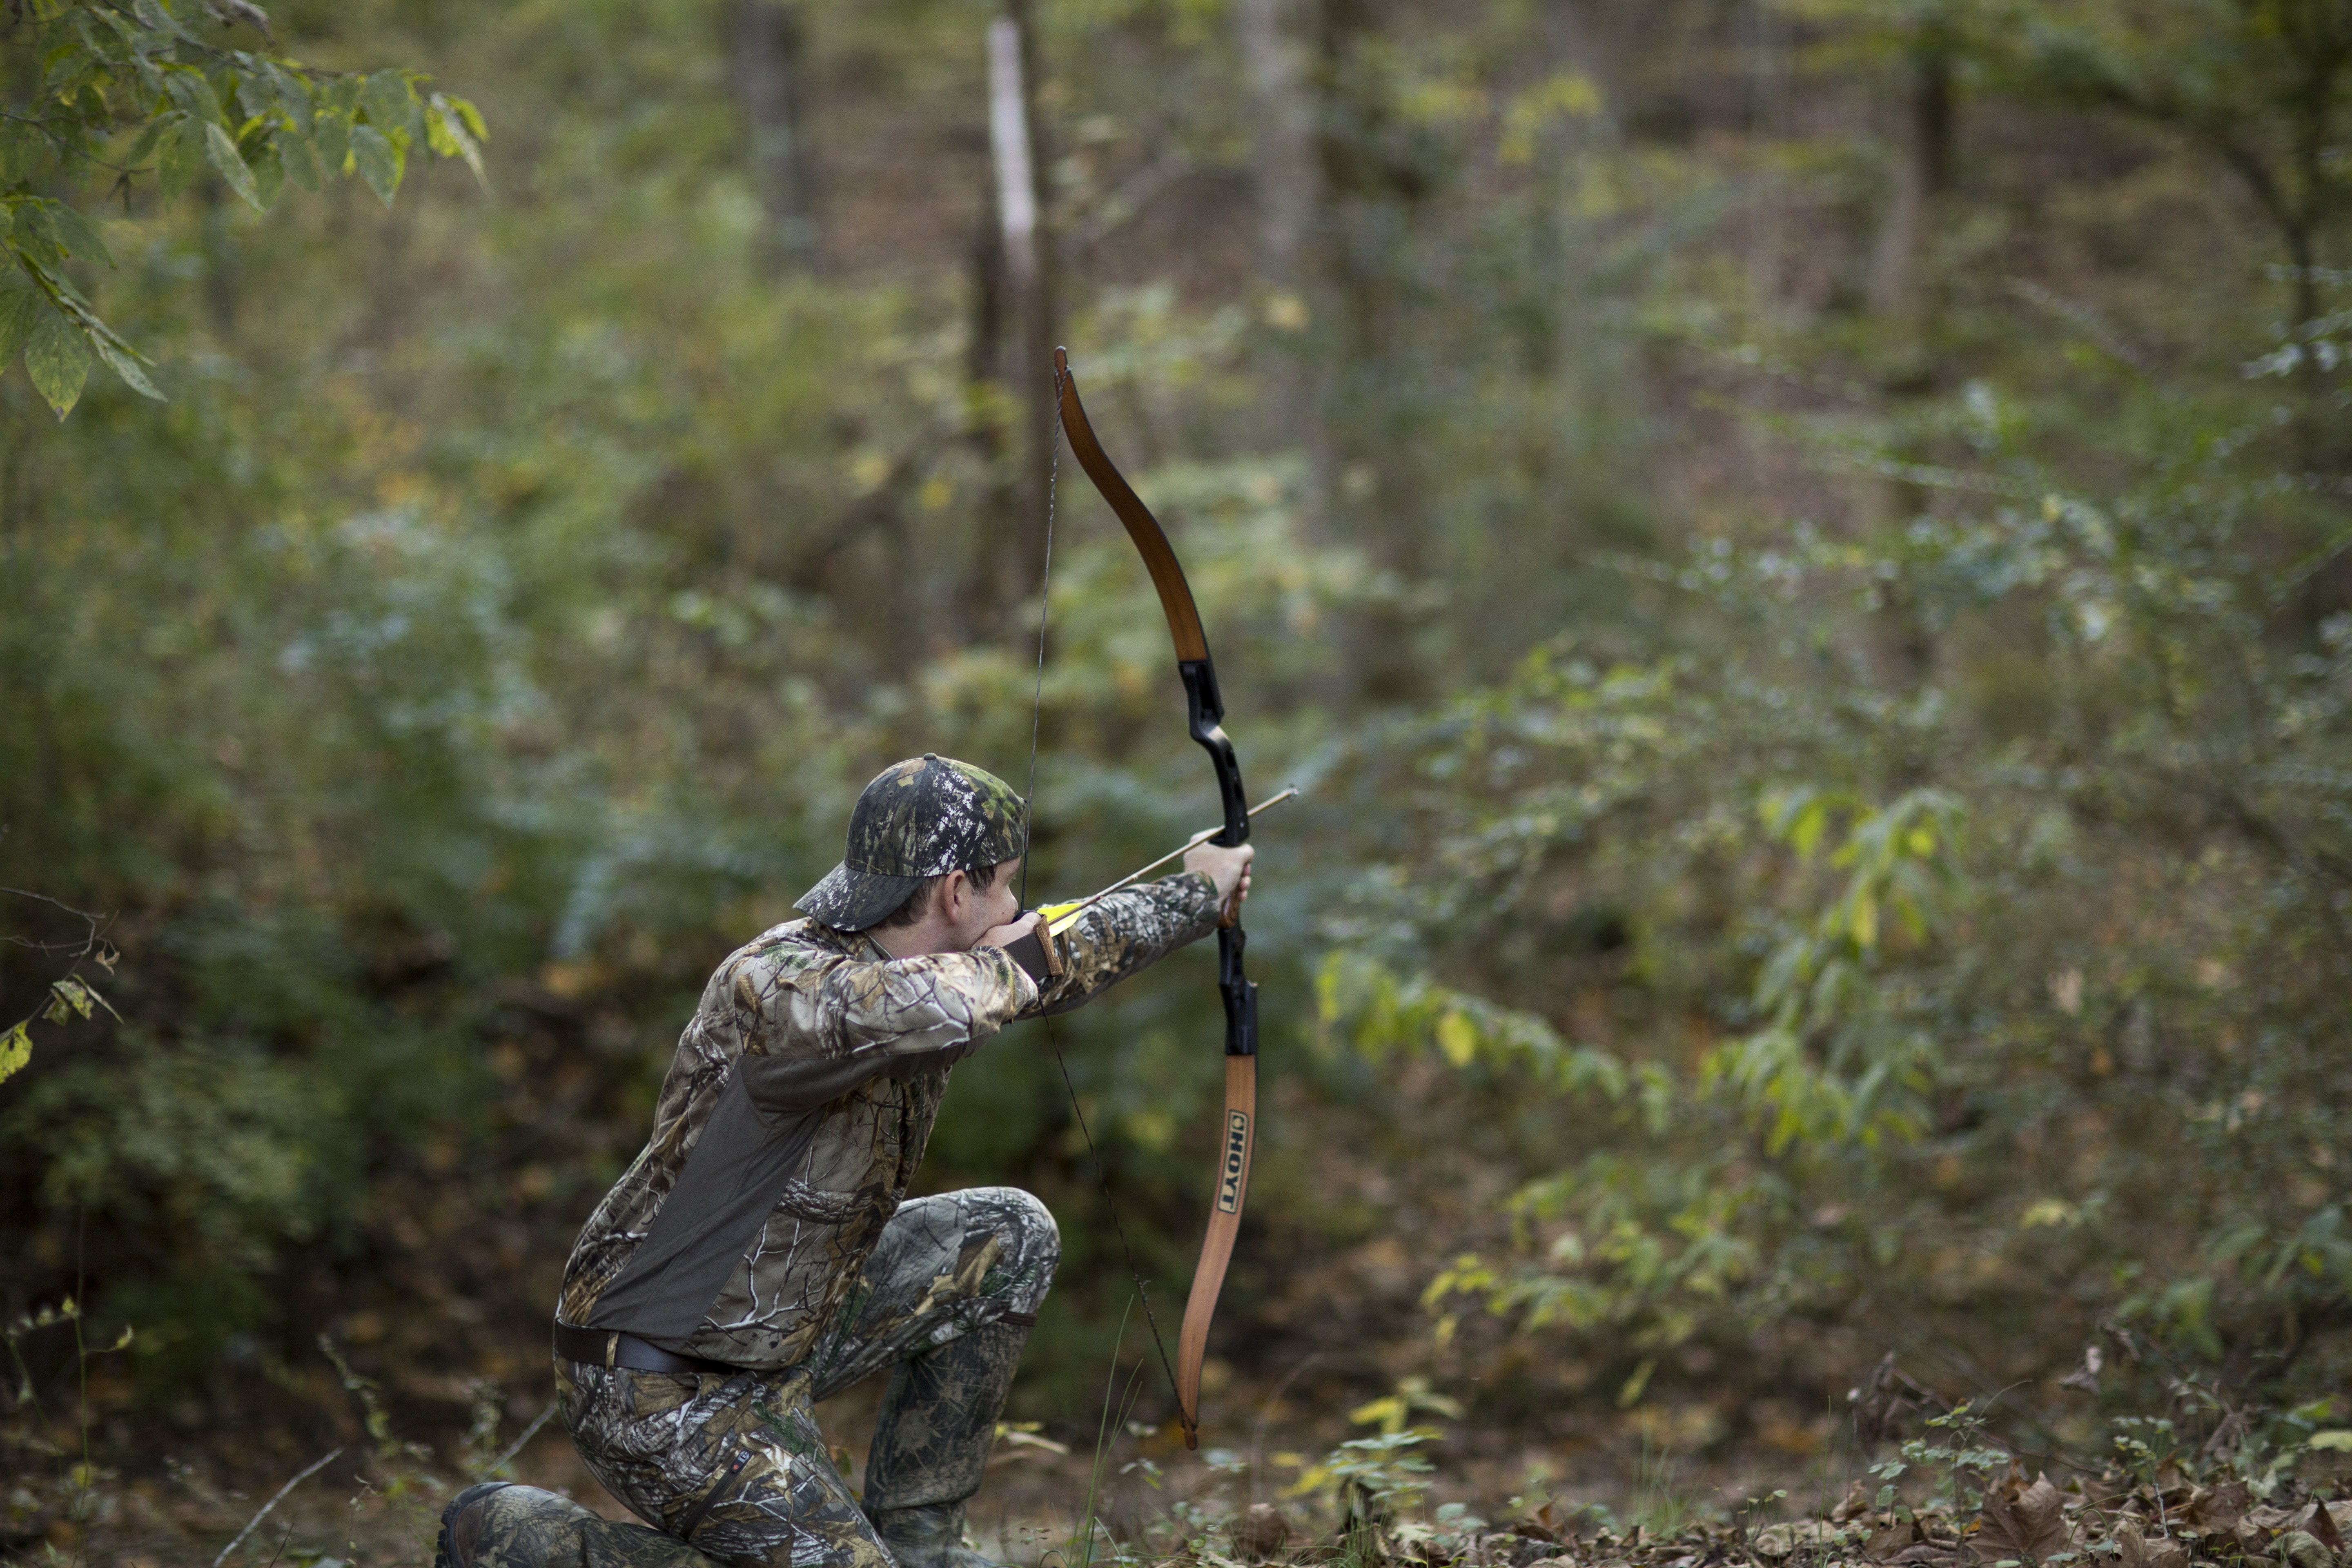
1798, 550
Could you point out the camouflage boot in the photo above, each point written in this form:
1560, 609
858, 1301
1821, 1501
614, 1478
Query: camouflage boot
931, 1442
501, 1525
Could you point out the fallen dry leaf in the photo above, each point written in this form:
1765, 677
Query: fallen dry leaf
2032, 1524
2321, 1527
2138, 1551
1774, 1541
1261, 1532
2220, 1507
2301, 1548
1889, 1544
1933, 1554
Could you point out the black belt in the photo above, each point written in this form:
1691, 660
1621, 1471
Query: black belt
610, 1347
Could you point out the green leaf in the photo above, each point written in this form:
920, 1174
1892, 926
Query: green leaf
146, 143
192, 93
122, 361
256, 95
69, 1000
64, 66
150, 76
152, 13
33, 236
294, 155
220, 153
77, 236
390, 102
268, 173
467, 113
183, 157
446, 132
2337, 1440
124, 30
379, 160
19, 308
293, 96
57, 358
333, 136
16, 1050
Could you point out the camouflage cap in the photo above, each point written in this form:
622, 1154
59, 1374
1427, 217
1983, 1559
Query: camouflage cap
921, 818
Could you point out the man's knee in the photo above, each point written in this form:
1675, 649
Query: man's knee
1030, 1242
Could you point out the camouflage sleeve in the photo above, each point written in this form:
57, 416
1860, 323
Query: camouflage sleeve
796, 1002
1125, 932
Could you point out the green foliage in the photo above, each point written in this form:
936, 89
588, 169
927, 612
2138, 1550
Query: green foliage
109, 86
1844, 797
1959, 1061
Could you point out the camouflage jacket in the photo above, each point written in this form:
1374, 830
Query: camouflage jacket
795, 1111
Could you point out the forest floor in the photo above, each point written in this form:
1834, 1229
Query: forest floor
434, 1373
1614, 1493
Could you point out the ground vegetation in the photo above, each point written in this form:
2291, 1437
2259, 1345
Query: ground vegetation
1797, 550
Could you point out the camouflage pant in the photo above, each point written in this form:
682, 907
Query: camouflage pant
737, 1464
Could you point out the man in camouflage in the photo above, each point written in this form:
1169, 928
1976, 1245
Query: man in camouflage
760, 1253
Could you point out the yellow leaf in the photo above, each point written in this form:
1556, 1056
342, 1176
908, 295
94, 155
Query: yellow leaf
2054, 1212
16, 1050
1865, 918
1314, 1479
1805, 833
1457, 1036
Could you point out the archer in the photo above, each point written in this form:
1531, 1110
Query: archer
760, 1253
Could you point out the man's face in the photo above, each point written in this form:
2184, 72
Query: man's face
986, 908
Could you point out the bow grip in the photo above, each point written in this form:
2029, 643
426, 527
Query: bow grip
1239, 991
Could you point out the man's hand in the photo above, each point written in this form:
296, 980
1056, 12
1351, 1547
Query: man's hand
1007, 935
1229, 869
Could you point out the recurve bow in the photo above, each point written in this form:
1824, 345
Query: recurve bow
1206, 711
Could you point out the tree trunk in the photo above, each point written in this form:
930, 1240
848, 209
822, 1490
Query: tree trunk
1017, 154
1379, 395
1923, 166
769, 58
1274, 35
1903, 297
1276, 40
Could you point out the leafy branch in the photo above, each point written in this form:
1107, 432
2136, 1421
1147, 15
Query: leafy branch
71, 995
123, 84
